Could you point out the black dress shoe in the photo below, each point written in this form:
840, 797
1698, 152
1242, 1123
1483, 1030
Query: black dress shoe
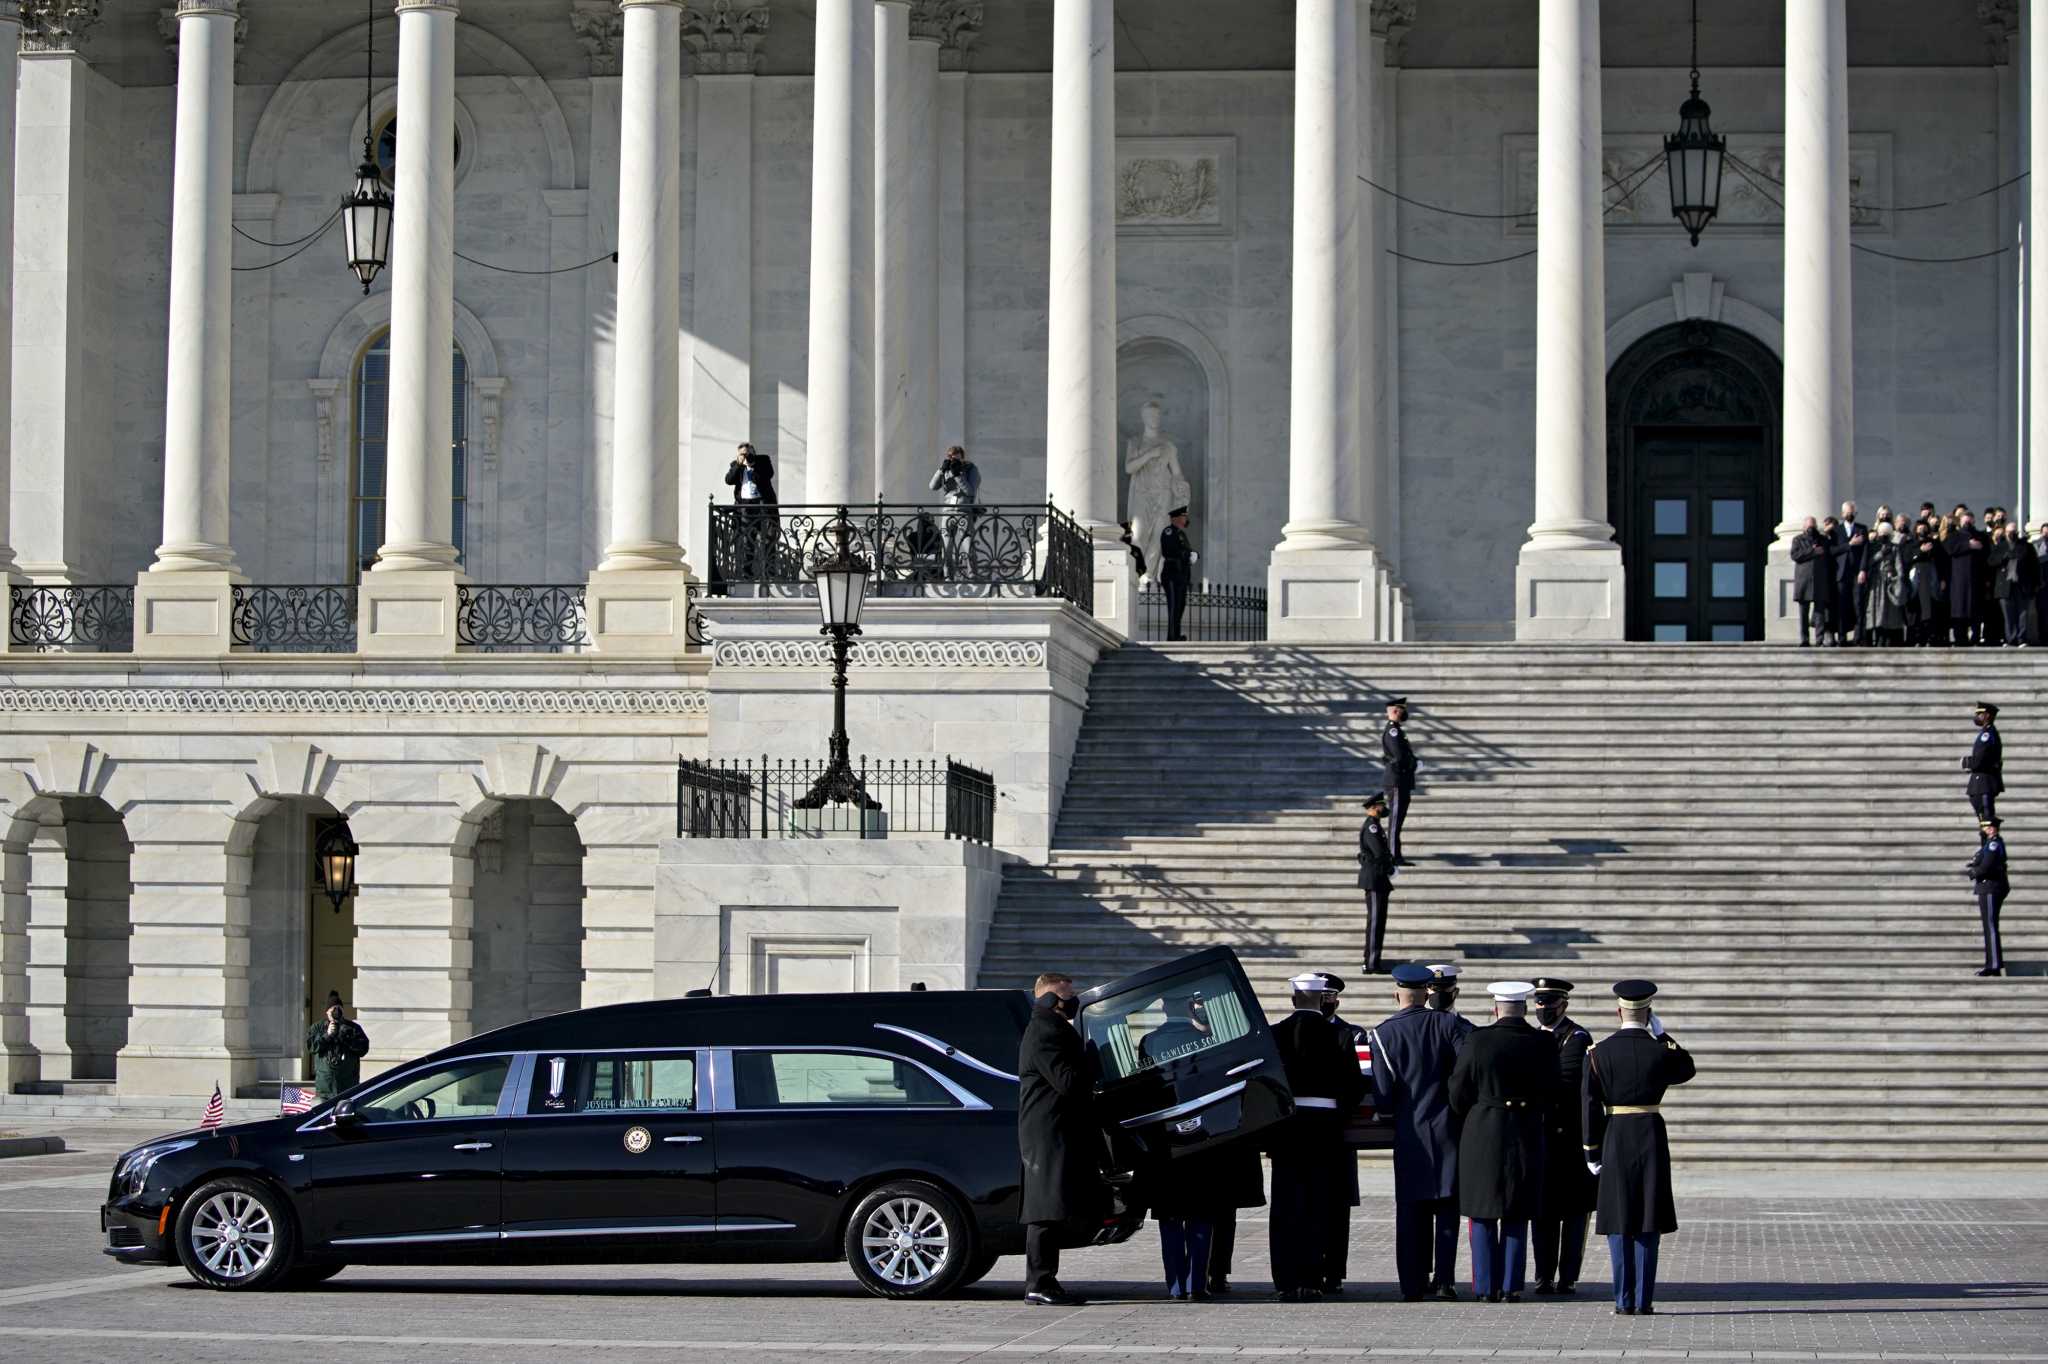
1514, 1297
1646, 1311
1411, 1297
1991, 971
1177, 1297
1489, 1298
1544, 1288
1624, 1311
1057, 1298
1219, 1285
1566, 1290
1288, 1295
1198, 1297
1447, 1292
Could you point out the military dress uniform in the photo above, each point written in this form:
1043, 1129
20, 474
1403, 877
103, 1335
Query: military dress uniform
1505, 1080
1376, 879
1985, 762
1620, 1097
1413, 1052
1308, 1149
1337, 1258
1443, 999
1397, 755
1176, 555
1559, 1234
1990, 881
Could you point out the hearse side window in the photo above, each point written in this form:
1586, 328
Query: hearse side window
1164, 1022
459, 1089
796, 1079
650, 1083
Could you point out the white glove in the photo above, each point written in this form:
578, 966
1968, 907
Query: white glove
1193, 557
1592, 1167
1656, 1026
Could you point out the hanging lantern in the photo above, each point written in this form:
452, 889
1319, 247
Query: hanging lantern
1693, 155
334, 853
366, 212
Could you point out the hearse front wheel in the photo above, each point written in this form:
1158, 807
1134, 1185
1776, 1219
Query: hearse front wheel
236, 1234
908, 1239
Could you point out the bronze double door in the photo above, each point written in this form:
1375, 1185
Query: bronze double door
1698, 528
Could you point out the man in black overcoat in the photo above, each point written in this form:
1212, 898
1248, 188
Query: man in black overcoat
1057, 1137
1813, 581
1985, 762
1337, 1261
1852, 540
1505, 1079
1397, 756
1965, 548
1626, 1144
751, 476
1413, 1052
1559, 1235
1308, 1149
1376, 879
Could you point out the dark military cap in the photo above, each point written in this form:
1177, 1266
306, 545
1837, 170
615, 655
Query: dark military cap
1551, 985
1336, 985
1411, 975
1988, 822
1634, 992
1178, 511
1397, 700
1376, 798
1987, 707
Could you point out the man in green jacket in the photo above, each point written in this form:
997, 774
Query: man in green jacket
337, 1045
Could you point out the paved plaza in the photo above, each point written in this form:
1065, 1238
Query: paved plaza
1871, 1265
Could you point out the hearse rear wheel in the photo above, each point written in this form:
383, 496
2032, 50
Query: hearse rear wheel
908, 1239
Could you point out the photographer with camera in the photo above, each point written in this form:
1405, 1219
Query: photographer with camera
957, 478
338, 1044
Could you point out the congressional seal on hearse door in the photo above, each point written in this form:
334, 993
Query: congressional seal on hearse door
876, 1128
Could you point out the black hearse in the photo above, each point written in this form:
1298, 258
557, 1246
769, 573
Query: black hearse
881, 1128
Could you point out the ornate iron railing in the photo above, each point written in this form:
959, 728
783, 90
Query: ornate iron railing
1215, 614
922, 551
746, 799
521, 618
696, 629
59, 618
313, 618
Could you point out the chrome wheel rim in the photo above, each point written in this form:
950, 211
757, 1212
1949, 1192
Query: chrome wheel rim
905, 1242
233, 1236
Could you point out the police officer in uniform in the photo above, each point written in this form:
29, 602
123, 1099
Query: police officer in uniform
1505, 1079
1985, 762
1413, 1052
1398, 757
1375, 878
1176, 557
1626, 1144
1559, 1234
1308, 1149
1989, 880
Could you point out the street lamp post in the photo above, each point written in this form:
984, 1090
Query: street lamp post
842, 589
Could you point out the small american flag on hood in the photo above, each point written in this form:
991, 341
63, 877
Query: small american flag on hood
216, 1109
295, 1098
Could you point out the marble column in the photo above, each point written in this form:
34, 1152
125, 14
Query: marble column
1819, 449
638, 597
1081, 445
906, 248
1568, 578
408, 600
2032, 45
840, 422
1324, 580
192, 615
10, 73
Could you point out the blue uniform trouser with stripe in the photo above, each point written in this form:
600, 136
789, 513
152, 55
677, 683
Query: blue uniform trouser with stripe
1184, 1247
1634, 1260
1989, 901
1499, 1255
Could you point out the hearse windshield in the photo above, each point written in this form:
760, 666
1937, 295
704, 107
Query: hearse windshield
1165, 1021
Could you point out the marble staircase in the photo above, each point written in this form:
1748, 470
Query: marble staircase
1775, 835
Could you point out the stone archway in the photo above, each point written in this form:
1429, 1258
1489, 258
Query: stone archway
1694, 437
1163, 357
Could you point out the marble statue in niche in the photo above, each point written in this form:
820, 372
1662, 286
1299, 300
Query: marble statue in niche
1157, 485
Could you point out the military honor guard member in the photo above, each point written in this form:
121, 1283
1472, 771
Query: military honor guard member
1505, 1078
1559, 1234
1989, 880
1443, 999
1626, 1145
1985, 762
1176, 569
1398, 757
1337, 1260
1375, 878
1308, 1149
1413, 1051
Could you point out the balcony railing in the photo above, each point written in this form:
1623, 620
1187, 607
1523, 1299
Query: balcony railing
313, 618
917, 551
759, 800
59, 618
521, 618
1215, 614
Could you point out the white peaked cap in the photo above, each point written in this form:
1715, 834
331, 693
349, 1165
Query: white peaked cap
1309, 982
1511, 991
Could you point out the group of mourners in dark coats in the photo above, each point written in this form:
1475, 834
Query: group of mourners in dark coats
1922, 580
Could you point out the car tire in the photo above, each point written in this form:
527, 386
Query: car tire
909, 1239
236, 1235
313, 1274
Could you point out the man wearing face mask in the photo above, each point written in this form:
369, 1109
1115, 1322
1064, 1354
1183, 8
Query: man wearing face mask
1985, 762
1308, 1149
1337, 1260
1058, 1140
1558, 1234
1413, 1051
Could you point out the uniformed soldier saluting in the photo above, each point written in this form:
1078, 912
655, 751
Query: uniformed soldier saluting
1985, 762
1505, 1079
1375, 878
1176, 559
1398, 756
1626, 1144
1559, 1235
1413, 1052
1308, 1149
1989, 880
